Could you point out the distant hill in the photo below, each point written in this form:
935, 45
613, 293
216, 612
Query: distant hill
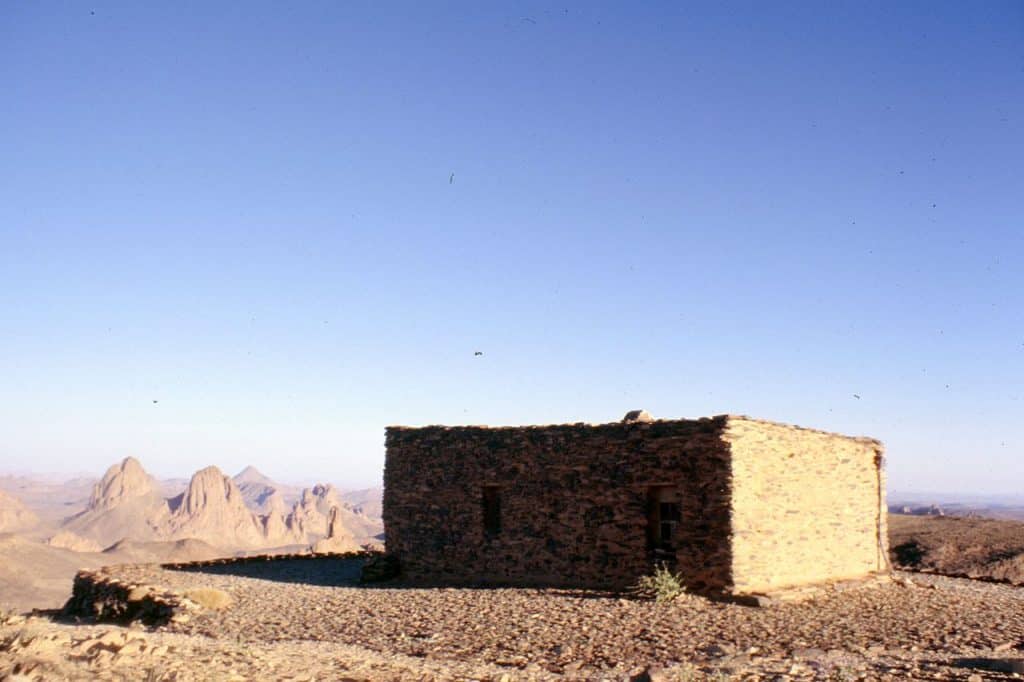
38, 575
368, 501
34, 575
162, 552
952, 545
51, 500
169, 487
65, 539
14, 515
258, 491
1008, 507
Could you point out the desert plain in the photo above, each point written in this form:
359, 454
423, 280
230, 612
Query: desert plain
271, 589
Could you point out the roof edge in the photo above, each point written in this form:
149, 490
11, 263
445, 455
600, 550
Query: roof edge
405, 427
795, 427
714, 418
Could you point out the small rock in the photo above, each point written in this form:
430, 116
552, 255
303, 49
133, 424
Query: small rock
102, 659
112, 639
132, 646
808, 653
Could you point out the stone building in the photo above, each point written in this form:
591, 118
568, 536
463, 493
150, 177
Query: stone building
738, 506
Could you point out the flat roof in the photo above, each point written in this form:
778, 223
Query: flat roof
637, 424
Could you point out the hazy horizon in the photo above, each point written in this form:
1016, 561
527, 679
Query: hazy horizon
260, 234
894, 496
57, 477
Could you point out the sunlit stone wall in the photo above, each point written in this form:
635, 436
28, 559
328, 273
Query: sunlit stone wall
808, 507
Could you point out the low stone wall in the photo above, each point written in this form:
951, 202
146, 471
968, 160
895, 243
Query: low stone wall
573, 502
262, 558
101, 597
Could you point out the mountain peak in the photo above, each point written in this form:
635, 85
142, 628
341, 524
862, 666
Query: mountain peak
122, 481
209, 487
212, 509
252, 475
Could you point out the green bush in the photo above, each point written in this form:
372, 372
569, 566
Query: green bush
662, 586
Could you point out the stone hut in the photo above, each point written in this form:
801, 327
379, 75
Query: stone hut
737, 506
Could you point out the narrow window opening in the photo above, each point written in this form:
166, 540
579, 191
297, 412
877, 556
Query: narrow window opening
663, 518
492, 510
668, 519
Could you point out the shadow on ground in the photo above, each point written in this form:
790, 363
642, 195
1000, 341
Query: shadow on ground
326, 571
344, 571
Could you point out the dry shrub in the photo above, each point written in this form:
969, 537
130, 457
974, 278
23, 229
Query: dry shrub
210, 597
663, 586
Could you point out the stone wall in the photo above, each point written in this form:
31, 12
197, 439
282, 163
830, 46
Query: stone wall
573, 502
101, 596
808, 507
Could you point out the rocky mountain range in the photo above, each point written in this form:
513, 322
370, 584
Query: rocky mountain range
49, 529
246, 512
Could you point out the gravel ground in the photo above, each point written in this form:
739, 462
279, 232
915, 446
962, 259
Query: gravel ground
916, 628
40, 650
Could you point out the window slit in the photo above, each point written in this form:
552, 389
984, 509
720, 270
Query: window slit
492, 510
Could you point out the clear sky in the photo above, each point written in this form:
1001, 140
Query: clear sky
260, 232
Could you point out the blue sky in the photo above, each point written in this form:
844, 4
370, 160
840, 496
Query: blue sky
293, 224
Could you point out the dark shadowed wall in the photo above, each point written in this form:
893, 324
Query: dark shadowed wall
572, 502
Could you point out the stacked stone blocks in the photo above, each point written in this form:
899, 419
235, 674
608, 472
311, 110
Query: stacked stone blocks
762, 506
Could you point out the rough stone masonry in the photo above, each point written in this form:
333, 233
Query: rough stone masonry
737, 506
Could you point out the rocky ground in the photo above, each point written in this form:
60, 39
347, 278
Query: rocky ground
308, 620
40, 649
